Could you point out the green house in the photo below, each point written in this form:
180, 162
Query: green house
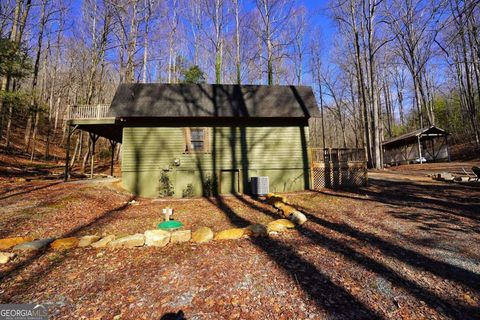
186, 140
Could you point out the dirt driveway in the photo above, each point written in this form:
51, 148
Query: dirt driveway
402, 248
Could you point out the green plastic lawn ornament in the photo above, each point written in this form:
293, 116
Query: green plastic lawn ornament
169, 225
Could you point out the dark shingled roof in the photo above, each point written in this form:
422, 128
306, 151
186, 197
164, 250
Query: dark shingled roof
209, 100
410, 137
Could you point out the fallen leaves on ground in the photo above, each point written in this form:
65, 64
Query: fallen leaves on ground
398, 250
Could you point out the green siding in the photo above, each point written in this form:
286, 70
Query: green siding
278, 152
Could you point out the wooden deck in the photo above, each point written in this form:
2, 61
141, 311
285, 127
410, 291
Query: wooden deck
83, 112
335, 168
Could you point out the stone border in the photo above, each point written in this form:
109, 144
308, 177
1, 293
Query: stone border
160, 238
285, 208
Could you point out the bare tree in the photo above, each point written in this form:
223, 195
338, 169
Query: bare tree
317, 75
399, 80
132, 43
274, 15
213, 31
44, 16
236, 5
194, 18
336, 88
463, 52
413, 23
147, 8
299, 27
20, 15
386, 62
171, 39
101, 23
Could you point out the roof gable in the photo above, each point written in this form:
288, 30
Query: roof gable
208, 100
412, 136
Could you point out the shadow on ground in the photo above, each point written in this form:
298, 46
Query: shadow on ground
361, 249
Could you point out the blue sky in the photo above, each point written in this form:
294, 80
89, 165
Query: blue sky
317, 14
316, 8
320, 17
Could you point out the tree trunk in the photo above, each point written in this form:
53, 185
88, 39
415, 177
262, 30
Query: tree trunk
86, 156
34, 136
16, 34
218, 41
34, 104
9, 119
373, 87
237, 40
361, 84
75, 151
50, 101
145, 41
132, 45
171, 42
268, 40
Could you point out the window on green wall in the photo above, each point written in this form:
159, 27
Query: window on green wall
196, 140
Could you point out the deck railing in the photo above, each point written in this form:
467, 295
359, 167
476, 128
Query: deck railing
334, 168
338, 155
97, 111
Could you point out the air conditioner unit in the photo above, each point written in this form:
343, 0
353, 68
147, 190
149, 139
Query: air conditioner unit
260, 186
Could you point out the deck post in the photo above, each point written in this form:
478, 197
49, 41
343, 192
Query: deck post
310, 162
433, 150
113, 144
419, 150
94, 139
448, 150
67, 151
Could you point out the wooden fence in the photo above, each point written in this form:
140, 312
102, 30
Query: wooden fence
334, 168
98, 111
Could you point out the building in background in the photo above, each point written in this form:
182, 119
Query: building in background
428, 144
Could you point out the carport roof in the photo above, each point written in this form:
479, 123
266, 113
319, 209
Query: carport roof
410, 137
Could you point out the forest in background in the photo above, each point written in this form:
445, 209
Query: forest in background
387, 67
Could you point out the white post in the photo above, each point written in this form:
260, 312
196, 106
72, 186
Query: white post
420, 150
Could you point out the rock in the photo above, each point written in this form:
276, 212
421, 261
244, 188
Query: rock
5, 257
298, 218
446, 176
272, 197
7, 243
121, 235
286, 223
157, 238
85, 241
230, 234
134, 202
65, 243
103, 242
288, 210
134, 240
181, 236
202, 235
278, 205
280, 225
33, 245
256, 230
